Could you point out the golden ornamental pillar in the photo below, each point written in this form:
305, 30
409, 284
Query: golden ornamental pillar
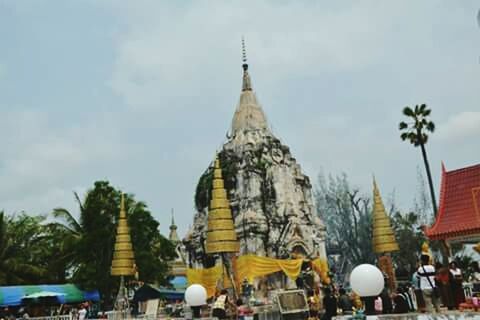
123, 263
384, 241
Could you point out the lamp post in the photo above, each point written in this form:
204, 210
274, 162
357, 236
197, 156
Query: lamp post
196, 297
367, 281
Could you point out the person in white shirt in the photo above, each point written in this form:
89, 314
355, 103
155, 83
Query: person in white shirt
426, 276
82, 313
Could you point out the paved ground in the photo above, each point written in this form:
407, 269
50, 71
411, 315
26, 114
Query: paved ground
448, 315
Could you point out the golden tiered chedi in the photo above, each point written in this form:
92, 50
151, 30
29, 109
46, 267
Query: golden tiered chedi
383, 236
123, 263
221, 236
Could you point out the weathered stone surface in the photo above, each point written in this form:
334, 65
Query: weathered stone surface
271, 199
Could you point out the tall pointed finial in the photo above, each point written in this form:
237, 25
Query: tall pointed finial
123, 213
173, 220
247, 83
244, 54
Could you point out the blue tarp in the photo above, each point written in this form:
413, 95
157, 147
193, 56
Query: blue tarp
12, 295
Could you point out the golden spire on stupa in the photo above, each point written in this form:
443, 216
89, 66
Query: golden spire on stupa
123, 263
221, 236
383, 236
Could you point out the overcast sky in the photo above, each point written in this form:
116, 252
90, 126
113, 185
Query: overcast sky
142, 92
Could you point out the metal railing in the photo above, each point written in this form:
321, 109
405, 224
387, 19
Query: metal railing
59, 317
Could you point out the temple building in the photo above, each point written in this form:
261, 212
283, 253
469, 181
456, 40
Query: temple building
458, 218
270, 198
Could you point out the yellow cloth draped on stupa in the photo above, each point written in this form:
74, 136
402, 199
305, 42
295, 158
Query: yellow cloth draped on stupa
320, 266
249, 267
123, 263
207, 277
383, 236
221, 236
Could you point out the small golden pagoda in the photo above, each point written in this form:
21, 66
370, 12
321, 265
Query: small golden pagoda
221, 236
123, 263
383, 236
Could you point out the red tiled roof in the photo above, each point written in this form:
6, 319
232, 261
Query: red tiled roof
459, 211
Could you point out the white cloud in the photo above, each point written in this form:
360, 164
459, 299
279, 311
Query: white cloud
41, 162
332, 77
169, 52
460, 126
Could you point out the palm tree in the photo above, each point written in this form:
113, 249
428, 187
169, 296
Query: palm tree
416, 132
17, 240
66, 220
71, 233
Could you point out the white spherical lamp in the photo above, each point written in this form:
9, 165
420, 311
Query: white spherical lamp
196, 295
367, 280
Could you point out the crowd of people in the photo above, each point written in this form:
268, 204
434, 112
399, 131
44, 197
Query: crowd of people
86, 310
442, 285
433, 287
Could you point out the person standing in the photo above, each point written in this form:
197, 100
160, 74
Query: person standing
426, 276
387, 306
400, 301
417, 292
443, 280
457, 284
313, 304
330, 304
344, 302
220, 305
82, 313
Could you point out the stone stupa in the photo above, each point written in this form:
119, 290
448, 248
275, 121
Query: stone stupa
271, 199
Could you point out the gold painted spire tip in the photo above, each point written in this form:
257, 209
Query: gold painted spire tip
122, 202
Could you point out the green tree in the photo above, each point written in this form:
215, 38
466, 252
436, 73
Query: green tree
416, 131
21, 246
410, 238
348, 218
65, 234
91, 239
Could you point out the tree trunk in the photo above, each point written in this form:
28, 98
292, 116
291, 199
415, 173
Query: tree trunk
429, 176
444, 246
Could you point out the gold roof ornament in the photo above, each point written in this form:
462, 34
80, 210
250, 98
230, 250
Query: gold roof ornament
427, 252
383, 236
477, 247
221, 236
123, 263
